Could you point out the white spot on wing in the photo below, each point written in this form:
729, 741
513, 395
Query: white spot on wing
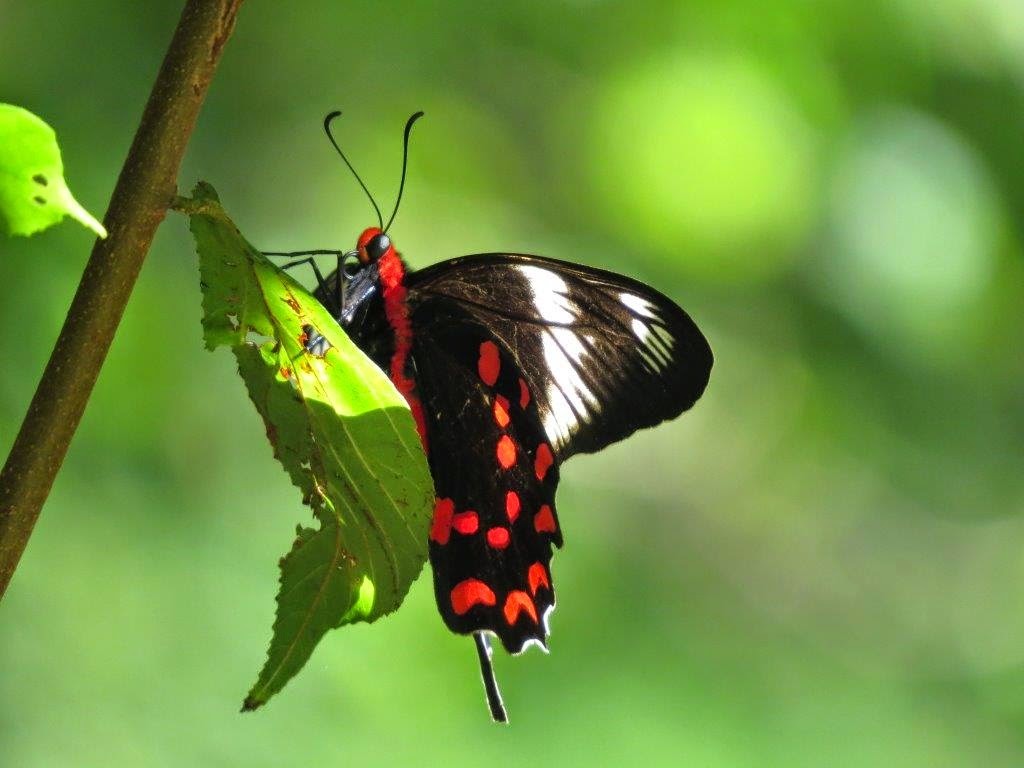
664, 336
571, 345
640, 306
568, 396
641, 330
546, 619
532, 641
664, 340
550, 294
655, 343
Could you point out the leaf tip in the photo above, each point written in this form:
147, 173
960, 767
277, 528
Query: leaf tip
251, 704
203, 190
83, 217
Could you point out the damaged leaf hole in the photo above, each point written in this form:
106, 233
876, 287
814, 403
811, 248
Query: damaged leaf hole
257, 339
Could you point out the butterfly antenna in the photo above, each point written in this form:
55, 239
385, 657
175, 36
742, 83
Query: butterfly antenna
405, 161
483, 650
327, 129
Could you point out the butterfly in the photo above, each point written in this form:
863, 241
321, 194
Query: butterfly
510, 364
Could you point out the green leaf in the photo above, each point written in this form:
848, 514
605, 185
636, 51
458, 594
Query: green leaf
339, 428
33, 193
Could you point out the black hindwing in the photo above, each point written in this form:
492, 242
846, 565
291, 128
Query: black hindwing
494, 476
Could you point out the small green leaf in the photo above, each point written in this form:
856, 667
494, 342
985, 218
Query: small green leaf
339, 428
33, 193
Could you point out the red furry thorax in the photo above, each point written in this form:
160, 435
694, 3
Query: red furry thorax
392, 278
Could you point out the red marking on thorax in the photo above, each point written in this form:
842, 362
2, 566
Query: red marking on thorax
512, 506
489, 364
498, 537
501, 414
392, 278
537, 576
506, 452
466, 523
517, 602
544, 520
544, 460
471, 592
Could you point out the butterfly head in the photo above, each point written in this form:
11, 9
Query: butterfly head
373, 268
372, 246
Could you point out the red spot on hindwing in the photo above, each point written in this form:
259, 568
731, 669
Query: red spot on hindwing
441, 528
501, 415
542, 463
512, 506
466, 523
489, 364
506, 452
524, 395
498, 537
469, 593
517, 602
544, 520
537, 577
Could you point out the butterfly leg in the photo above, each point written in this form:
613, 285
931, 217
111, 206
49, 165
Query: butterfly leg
315, 252
483, 651
320, 281
339, 283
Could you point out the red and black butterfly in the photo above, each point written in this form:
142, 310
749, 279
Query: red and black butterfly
511, 364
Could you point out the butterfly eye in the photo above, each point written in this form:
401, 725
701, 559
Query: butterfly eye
377, 247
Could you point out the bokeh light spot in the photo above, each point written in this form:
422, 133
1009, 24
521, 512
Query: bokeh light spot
914, 223
703, 156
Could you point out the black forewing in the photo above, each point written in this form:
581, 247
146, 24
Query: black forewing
601, 354
482, 546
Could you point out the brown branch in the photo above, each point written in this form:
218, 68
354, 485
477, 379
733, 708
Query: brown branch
144, 190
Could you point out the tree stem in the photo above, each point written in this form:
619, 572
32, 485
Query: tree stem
144, 190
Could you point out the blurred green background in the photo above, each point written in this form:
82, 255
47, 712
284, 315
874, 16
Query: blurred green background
822, 564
